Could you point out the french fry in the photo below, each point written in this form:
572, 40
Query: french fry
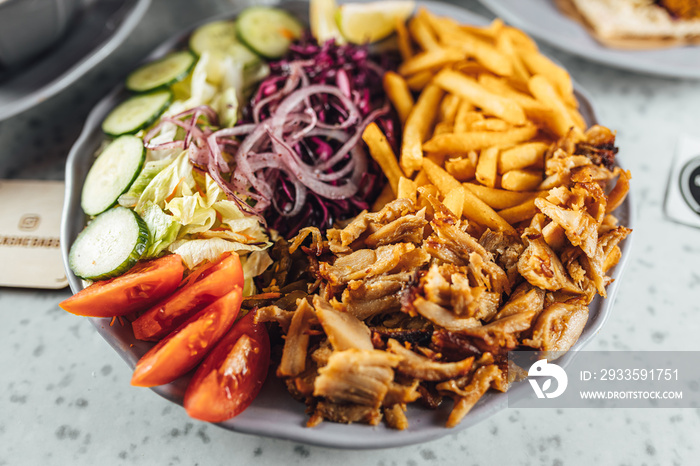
520, 39
490, 124
418, 124
499, 86
475, 45
430, 59
577, 118
559, 78
489, 32
398, 93
422, 33
454, 201
504, 44
404, 40
440, 178
460, 144
521, 180
519, 213
487, 167
521, 156
470, 68
518, 85
448, 109
438, 159
474, 208
560, 122
407, 189
381, 151
483, 52
462, 169
475, 41
443, 128
543, 117
466, 115
473, 92
500, 199
422, 179
418, 81
466, 121
387, 195
438, 23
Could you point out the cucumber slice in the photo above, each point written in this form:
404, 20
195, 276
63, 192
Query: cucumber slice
218, 35
164, 72
136, 113
112, 174
267, 31
109, 246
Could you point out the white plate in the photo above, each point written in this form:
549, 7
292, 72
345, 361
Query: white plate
98, 28
274, 413
543, 20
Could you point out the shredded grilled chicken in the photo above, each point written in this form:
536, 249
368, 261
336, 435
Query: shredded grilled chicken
423, 368
558, 327
356, 376
344, 330
465, 399
406, 304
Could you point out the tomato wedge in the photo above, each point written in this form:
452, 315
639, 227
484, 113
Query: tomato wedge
209, 284
230, 378
139, 288
180, 351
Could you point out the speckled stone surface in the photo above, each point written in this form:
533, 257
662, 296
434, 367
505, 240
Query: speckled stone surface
65, 396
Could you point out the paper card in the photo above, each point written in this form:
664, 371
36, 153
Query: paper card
30, 224
683, 191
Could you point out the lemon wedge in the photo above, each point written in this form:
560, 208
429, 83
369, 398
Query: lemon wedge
371, 22
322, 15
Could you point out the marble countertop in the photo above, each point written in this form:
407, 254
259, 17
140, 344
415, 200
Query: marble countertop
65, 396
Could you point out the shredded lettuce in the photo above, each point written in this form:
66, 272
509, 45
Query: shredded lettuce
226, 104
188, 213
162, 229
201, 92
176, 179
253, 265
192, 213
219, 81
196, 251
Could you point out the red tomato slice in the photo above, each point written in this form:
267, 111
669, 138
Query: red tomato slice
230, 378
180, 351
211, 282
139, 288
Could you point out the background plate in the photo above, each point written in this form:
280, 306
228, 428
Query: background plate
274, 413
543, 20
98, 28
